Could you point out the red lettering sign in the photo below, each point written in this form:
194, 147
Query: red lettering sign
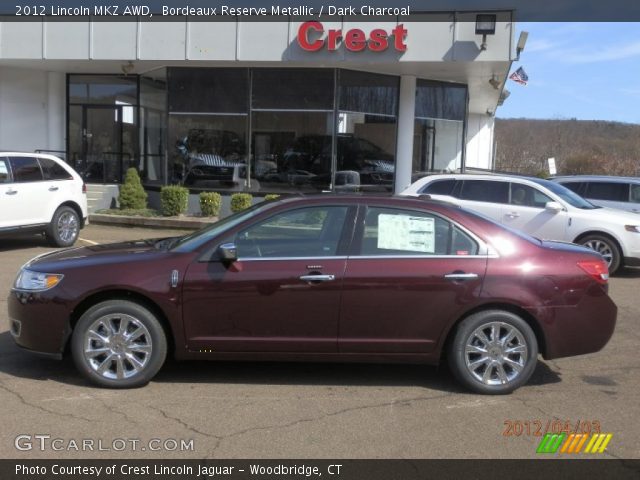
355, 40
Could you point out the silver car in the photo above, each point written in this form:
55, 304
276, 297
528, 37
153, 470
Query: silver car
612, 192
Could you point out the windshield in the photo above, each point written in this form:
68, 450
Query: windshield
565, 194
196, 239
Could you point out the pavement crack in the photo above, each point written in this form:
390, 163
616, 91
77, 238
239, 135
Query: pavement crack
322, 417
25, 402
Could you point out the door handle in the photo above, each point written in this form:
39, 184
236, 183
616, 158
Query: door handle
513, 215
11, 192
460, 276
318, 278
53, 189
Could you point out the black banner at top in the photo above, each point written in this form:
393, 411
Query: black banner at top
258, 10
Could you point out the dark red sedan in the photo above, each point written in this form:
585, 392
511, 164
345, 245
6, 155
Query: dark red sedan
324, 278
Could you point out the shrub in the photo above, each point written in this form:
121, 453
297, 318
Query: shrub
173, 199
210, 203
132, 194
271, 196
240, 201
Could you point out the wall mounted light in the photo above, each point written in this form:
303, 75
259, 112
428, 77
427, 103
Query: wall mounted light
503, 96
127, 68
494, 81
485, 25
522, 41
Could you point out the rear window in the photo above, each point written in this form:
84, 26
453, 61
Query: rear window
53, 170
485, 191
25, 169
439, 187
616, 192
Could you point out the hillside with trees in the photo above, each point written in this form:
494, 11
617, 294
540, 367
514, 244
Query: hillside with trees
579, 146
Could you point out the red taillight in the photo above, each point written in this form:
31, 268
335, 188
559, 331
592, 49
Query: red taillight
597, 269
84, 187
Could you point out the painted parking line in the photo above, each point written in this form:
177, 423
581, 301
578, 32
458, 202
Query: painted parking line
90, 242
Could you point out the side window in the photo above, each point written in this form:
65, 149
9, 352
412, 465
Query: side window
53, 170
389, 231
485, 191
305, 232
635, 193
527, 196
439, 187
617, 192
25, 169
576, 187
4, 171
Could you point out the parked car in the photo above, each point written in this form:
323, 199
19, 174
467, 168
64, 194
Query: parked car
614, 192
331, 278
40, 193
544, 209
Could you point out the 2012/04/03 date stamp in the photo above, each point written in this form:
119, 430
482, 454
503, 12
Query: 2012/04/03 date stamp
538, 427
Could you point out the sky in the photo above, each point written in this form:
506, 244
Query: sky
587, 71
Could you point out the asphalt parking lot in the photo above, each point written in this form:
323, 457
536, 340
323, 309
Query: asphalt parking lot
249, 410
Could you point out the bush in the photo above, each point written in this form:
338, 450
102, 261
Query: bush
132, 194
210, 203
271, 196
174, 199
240, 201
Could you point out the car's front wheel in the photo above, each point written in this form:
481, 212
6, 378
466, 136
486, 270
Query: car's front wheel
64, 228
493, 352
119, 344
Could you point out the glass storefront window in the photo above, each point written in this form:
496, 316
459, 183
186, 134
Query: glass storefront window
103, 89
366, 131
439, 126
153, 130
207, 151
291, 150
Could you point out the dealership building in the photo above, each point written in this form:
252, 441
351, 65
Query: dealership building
290, 104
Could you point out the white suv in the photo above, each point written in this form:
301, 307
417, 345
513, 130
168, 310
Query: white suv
541, 208
41, 193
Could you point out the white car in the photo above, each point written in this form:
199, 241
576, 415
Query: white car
543, 209
41, 194
614, 192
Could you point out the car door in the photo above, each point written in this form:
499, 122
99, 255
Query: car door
58, 185
410, 275
27, 206
485, 196
526, 211
281, 295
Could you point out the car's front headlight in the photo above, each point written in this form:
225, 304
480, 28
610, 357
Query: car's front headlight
632, 228
36, 281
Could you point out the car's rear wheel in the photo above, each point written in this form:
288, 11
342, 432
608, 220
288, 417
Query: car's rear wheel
606, 247
119, 344
64, 228
493, 352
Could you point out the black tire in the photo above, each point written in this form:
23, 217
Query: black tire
64, 229
606, 247
133, 318
495, 384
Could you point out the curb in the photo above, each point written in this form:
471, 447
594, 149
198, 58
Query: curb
188, 223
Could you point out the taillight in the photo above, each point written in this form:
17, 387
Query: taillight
84, 187
597, 269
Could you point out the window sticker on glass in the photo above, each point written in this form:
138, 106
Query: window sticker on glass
403, 232
3, 168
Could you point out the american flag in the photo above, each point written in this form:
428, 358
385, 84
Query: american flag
520, 76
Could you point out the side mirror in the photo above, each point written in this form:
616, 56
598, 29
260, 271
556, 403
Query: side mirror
228, 252
553, 207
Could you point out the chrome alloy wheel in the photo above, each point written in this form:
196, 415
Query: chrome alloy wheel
117, 346
602, 248
495, 353
67, 227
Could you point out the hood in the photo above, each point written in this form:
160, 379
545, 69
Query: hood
612, 215
123, 252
